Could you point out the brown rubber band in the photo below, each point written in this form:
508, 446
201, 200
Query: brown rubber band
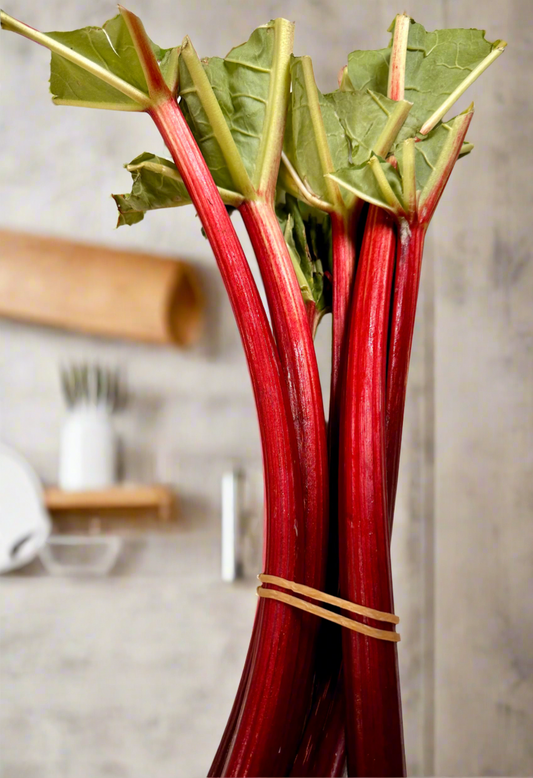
343, 621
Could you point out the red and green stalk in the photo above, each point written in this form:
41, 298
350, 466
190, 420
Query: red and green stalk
295, 345
274, 663
406, 284
412, 228
247, 748
261, 743
324, 731
372, 691
322, 751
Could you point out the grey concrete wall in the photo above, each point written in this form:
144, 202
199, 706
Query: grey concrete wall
134, 675
484, 427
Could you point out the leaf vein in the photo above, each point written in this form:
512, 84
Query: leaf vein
247, 65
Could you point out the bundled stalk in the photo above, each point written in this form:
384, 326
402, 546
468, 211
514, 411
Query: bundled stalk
252, 133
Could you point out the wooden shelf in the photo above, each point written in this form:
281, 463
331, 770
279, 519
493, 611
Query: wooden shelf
116, 498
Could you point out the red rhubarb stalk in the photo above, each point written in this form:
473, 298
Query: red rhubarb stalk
290, 320
330, 755
299, 365
411, 235
343, 251
274, 663
322, 751
406, 285
260, 736
251, 752
372, 692
325, 732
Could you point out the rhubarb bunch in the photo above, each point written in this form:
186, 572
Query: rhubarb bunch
336, 192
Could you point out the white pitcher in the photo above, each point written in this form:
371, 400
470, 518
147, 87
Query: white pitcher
88, 452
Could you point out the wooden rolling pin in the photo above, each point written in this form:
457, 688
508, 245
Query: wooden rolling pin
97, 290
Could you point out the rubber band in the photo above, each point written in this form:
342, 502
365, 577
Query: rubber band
343, 621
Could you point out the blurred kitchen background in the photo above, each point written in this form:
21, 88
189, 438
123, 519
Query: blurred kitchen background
133, 673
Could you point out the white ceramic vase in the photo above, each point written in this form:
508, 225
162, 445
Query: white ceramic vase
88, 449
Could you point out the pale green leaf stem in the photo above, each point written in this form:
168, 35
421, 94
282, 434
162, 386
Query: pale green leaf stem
409, 175
243, 96
391, 129
461, 89
268, 156
363, 192
290, 183
320, 137
449, 153
388, 194
204, 92
302, 189
73, 48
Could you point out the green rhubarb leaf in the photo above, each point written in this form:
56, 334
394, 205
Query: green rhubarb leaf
360, 181
363, 116
329, 132
367, 70
98, 67
316, 143
439, 66
156, 184
199, 122
436, 65
307, 234
427, 150
249, 86
112, 48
